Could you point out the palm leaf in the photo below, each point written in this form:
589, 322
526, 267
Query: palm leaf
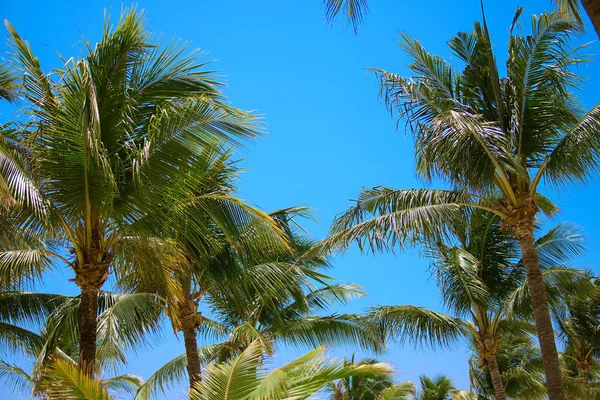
417, 325
70, 384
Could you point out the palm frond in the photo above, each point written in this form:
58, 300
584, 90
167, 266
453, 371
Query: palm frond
559, 245
128, 323
350, 11
8, 85
14, 378
71, 384
417, 325
128, 383
167, 376
403, 391
383, 218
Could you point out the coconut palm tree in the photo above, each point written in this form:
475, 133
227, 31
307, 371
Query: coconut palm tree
521, 367
243, 378
44, 328
493, 140
372, 387
260, 294
478, 271
214, 264
578, 321
440, 387
299, 323
113, 137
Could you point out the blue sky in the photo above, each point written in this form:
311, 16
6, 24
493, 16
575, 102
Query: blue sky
328, 134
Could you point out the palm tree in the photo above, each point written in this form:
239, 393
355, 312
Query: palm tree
478, 271
521, 367
440, 387
44, 327
113, 136
243, 378
493, 140
371, 387
214, 264
254, 294
578, 321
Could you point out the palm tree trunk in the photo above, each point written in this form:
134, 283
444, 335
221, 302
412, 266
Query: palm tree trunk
191, 351
496, 377
585, 375
592, 8
88, 328
541, 313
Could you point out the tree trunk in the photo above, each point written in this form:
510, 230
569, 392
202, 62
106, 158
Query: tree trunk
191, 351
496, 378
592, 8
541, 313
88, 328
585, 376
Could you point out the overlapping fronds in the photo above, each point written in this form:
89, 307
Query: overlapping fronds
245, 378
71, 384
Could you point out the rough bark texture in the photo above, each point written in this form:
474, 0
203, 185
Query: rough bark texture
88, 327
499, 392
90, 276
190, 320
191, 351
592, 8
543, 322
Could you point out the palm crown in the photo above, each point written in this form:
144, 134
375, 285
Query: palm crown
493, 140
113, 141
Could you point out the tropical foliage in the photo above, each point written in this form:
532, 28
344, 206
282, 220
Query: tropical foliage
120, 167
494, 141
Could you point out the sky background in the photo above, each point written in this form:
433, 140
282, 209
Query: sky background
328, 133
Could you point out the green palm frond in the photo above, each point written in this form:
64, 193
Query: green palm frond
558, 280
577, 156
128, 383
337, 330
403, 391
559, 245
14, 378
20, 267
351, 11
16, 183
245, 378
71, 384
460, 282
417, 325
167, 376
15, 338
383, 218
438, 387
8, 85
29, 308
128, 323
569, 9
325, 297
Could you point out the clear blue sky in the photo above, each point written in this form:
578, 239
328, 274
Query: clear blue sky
328, 133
